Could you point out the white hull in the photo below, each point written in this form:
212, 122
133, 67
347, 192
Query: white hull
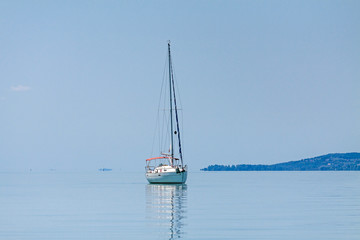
166, 177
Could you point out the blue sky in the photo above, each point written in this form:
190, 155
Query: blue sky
260, 81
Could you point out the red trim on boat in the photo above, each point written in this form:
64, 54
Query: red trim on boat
149, 159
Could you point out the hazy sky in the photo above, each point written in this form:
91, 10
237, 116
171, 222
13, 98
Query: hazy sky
260, 81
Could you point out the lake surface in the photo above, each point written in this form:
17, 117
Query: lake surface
212, 205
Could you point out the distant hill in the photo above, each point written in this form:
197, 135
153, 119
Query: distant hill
329, 162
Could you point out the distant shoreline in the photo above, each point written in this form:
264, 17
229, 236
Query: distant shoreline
329, 162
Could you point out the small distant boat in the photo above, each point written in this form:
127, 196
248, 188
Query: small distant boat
105, 169
167, 168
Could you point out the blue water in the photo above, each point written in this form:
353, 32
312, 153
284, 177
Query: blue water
212, 205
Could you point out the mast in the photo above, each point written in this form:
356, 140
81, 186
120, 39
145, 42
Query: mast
171, 114
177, 132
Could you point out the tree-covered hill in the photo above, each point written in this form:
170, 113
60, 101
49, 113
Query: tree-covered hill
329, 162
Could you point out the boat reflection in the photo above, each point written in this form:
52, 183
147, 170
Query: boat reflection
166, 209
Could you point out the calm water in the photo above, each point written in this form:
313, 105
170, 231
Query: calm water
212, 205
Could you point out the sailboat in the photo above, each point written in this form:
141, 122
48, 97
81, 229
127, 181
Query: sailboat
168, 168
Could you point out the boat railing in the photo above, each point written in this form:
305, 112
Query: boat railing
150, 168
